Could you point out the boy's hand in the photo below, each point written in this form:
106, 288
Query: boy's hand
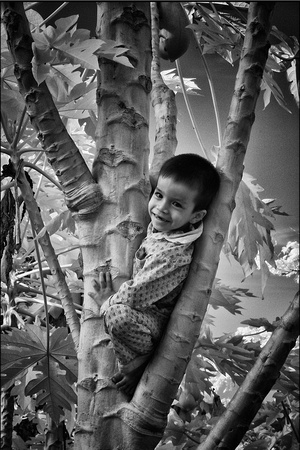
103, 290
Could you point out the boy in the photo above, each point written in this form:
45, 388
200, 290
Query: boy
136, 316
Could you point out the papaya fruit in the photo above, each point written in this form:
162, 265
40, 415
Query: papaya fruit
174, 37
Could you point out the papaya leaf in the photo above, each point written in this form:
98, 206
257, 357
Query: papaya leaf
273, 64
286, 49
64, 82
6, 59
60, 220
276, 210
21, 350
117, 53
292, 78
216, 36
257, 323
235, 340
62, 26
54, 393
236, 349
12, 104
80, 108
270, 86
54, 371
66, 44
260, 444
230, 355
82, 53
227, 297
249, 229
236, 372
86, 53
173, 82
194, 374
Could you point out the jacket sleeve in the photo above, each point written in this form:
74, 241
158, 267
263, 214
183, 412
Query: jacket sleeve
162, 272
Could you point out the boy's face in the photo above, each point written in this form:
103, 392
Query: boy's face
172, 204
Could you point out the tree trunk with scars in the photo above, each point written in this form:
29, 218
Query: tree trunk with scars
110, 210
121, 170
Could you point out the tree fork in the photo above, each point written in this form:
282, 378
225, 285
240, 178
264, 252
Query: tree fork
161, 379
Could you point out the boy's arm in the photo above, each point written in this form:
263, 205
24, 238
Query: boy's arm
161, 274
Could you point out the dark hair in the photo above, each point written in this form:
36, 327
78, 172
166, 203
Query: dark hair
197, 173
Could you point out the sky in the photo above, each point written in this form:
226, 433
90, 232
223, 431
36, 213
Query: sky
272, 156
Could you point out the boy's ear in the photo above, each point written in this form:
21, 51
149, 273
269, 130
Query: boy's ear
197, 216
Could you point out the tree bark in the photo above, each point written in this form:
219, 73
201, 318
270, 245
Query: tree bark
122, 172
164, 105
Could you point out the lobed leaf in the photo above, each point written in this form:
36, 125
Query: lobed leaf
51, 373
173, 82
55, 393
249, 229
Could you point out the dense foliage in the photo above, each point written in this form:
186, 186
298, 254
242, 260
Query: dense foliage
38, 357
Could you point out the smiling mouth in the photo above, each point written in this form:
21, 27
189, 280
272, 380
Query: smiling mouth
160, 218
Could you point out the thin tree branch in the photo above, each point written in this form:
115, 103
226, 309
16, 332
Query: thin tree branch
6, 151
189, 108
211, 86
56, 271
43, 289
18, 131
5, 129
41, 171
51, 16
244, 19
290, 421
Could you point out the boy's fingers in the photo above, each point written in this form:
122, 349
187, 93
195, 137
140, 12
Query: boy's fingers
91, 294
108, 279
102, 279
96, 285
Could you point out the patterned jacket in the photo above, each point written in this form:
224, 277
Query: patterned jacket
160, 267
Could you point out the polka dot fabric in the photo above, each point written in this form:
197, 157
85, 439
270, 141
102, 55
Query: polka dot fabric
139, 311
133, 333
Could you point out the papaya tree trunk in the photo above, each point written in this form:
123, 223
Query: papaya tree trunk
164, 105
121, 169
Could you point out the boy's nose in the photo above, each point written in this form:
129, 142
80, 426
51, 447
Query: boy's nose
163, 207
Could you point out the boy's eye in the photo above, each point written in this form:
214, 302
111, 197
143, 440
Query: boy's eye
177, 205
157, 194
